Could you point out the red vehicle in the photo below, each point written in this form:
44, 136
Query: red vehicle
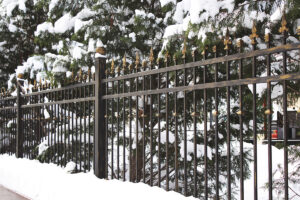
293, 121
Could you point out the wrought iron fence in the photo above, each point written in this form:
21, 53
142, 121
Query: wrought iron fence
180, 126
58, 120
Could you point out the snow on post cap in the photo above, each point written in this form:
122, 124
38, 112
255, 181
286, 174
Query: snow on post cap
100, 52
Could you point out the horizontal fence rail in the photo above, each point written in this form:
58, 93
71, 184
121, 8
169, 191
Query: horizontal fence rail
192, 127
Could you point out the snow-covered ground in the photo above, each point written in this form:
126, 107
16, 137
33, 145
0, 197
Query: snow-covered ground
49, 182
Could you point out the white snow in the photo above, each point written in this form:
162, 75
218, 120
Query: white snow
52, 4
79, 24
64, 24
32, 65
278, 12
12, 28
43, 146
49, 182
262, 176
70, 167
165, 2
188, 11
132, 36
46, 26
9, 5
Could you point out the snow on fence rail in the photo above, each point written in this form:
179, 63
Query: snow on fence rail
182, 127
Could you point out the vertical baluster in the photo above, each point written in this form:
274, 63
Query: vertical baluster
144, 132
31, 122
240, 113
48, 122
80, 126
65, 97
253, 37
85, 130
106, 120
176, 128
269, 135
55, 128
151, 59
130, 128
137, 120
185, 123
76, 128
70, 135
167, 124
14, 128
194, 115
205, 135
124, 123
52, 116
112, 123
158, 115
227, 43
72, 125
284, 31
58, 128
61, 129
118, 126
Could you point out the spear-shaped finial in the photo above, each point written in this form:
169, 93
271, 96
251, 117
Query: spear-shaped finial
34, 84
174, 58
214, 48
253, 36
184, 49
166, 56
227, 40
124, 61
80, 74
151, 57
40, 83
283, 27
89, 73
137, 60
72, 76
112, 66
3, 91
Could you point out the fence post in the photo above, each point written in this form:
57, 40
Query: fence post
100, 132
19, 137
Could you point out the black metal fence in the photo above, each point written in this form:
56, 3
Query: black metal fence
53, 125
179, 126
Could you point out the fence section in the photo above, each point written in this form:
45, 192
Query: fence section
8, 124
56, 124
187, 126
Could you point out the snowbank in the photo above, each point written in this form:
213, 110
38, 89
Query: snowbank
49, 182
